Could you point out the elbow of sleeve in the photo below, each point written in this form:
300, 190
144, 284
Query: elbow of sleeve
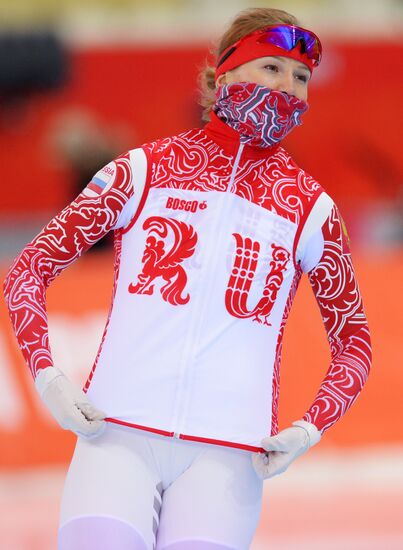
363, 345
27, 269
354, 353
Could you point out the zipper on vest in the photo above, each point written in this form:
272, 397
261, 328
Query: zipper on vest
235, 168
215, 244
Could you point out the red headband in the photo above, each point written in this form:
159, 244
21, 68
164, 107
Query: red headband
248, 48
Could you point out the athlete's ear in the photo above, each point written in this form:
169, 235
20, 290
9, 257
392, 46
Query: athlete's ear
221, 80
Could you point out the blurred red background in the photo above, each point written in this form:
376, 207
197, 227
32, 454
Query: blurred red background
349, 141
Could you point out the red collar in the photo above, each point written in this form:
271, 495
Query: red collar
228, 139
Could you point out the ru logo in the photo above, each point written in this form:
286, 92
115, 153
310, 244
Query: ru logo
166, 263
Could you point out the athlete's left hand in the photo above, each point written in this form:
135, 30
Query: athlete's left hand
284, 448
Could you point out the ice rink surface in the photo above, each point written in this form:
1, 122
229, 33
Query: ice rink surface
330, 500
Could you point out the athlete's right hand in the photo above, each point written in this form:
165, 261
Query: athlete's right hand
68, 404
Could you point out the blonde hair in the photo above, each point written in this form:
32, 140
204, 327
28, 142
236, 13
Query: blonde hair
244, 23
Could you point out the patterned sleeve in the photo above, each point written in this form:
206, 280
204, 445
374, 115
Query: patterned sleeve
336, 290
89, 217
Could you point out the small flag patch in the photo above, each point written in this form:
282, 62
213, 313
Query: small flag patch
102, 181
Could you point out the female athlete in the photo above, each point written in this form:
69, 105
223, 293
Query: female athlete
214, 227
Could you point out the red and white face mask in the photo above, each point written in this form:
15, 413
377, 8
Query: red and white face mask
262, 117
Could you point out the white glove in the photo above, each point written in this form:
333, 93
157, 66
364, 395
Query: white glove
284, 448
68, 404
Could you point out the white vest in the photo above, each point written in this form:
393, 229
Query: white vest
208, 259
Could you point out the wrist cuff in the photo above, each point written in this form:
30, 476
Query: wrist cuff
312, 431
44, 377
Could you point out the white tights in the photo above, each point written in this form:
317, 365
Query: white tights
129, 490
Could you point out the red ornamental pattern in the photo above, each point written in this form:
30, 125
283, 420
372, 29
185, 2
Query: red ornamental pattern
190, 161
242, 274
60, 243
336, 290
279, 185
159, 262
194, 162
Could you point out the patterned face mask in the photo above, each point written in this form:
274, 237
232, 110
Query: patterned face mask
263, 117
